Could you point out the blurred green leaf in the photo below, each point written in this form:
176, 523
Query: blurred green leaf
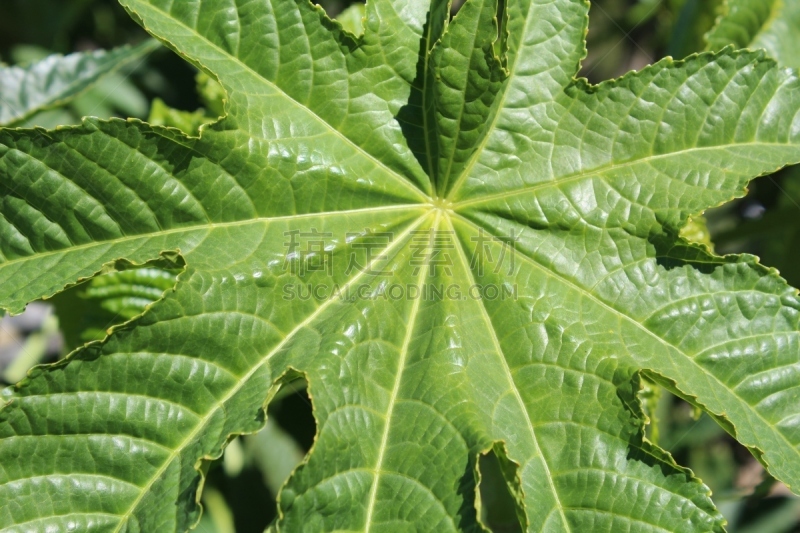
781, 520
188, 122
275, 453
773, 25
56, 80
650, 396
32, 351
692, 21
211, 93
352, 19
218, 517
87, 311
233, 458
696, 231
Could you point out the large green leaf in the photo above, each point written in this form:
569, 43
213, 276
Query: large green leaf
768, 24
53, 81
428, 153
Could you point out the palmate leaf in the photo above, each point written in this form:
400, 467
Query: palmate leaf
53, 81
419, 126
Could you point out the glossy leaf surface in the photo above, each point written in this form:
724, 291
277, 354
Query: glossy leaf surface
457, 156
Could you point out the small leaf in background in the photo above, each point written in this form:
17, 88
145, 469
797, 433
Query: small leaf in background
88, 311
275, 452
696, 231
768, 24
187, 122
218, 517
352, 19
55, 80
212, 94
691, 21
22, 353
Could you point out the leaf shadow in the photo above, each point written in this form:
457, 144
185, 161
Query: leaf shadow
410, 116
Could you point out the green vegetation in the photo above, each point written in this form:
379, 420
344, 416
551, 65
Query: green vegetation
490, 277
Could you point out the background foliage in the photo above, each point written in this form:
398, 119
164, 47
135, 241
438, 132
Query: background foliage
239, 496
